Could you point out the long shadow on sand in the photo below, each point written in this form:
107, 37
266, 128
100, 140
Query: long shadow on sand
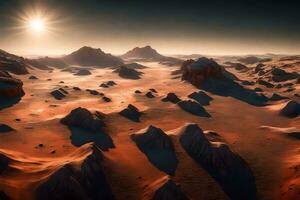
6, 103
229, 88
81, 136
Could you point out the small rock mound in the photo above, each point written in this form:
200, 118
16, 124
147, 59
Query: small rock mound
84, 182
137, 92
10, 87
193, 108
171, 97
83, 72
103, 85
129, 73
291, 109
149, 95
76, 88
201, 97
227, 167
106, 99
83, 118
158, 148
132, 113
5, 128
32, 77
169, 191
59, 94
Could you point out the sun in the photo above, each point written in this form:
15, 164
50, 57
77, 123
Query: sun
37, 25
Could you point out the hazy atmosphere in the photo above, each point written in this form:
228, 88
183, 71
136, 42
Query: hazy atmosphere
149, 100
172, 27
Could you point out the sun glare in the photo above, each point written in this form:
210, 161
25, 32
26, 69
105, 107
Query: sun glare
37, 25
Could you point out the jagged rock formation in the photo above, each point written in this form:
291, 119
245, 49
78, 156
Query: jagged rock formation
171, 97
193, 108
291, 109
201, 97
132, 113
83, 72
10, 87
87, 56
225, 166
5, 128
84, 182
158, 148
87, 127
169, 191
129, 73
4, 161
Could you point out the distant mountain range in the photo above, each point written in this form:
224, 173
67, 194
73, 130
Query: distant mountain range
88, 56
147, 53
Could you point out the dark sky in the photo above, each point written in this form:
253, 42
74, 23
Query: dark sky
174, 27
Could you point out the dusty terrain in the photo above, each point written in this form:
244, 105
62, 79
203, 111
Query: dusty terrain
40, 145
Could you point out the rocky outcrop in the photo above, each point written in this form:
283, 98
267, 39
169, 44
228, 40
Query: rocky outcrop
224, 165
83, 118
84, 182
32, 77
132, 113
158, 148
10, 87
52, 62
12, 63
199, 71
279, 75
59, 94
171, 97
169, 191
87, 56
193, 108
83, 72
5, 128
149, 95
128, 73
87, 127
201, 97
291, 109
253, 59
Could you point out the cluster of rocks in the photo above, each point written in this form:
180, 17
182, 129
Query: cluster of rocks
5, 128
128, 73
107, 84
